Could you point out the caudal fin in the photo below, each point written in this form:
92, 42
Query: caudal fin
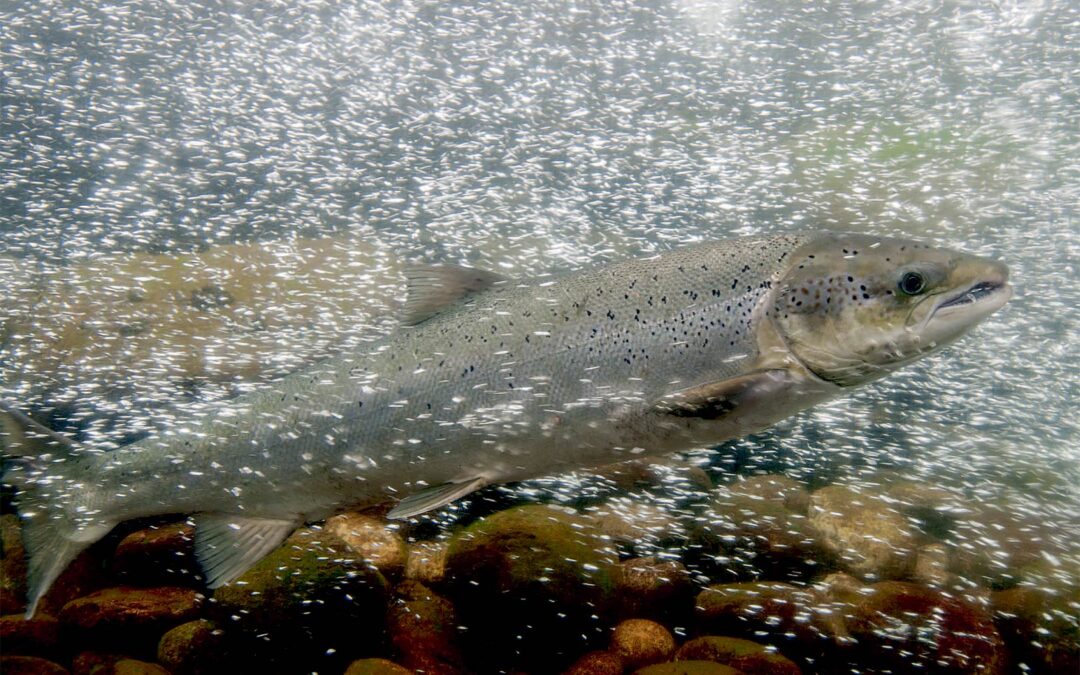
41, 465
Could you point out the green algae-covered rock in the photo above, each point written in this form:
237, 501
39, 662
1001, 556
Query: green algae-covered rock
191, 648
376, 667
872, 538
749, 657
29, 665
531, 583
312, 598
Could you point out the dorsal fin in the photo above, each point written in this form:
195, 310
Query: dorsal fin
23, 437
432, 288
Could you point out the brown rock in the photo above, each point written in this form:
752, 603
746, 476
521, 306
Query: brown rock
746, 656
905, 627
39, 635
427, 561
776, 488
636, 524
376, 667
83, 576
872, 539
994, 545
372, 540
596, 663
158, 556
91, 663
1040, 627
12, 566
799, 621
761, 537
652, 589
423, 629
192, 648
312, 603
932, 566
640, 642
688, 668
844, 588
29, 665
530, 582
126, 608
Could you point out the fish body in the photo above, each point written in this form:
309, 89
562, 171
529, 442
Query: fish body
515, 379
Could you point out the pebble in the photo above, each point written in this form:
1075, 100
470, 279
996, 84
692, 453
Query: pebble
530, 583
427, 561
1023, 613
688, 668
39, 635
873, 540
376, 667
640, 642
128, 618
29, 665
423, 628
371, 539
775, 488
158, 556
653, 589
192, 648
597, 663
748, 657
906, 627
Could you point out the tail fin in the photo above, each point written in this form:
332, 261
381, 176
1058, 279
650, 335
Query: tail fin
41, 464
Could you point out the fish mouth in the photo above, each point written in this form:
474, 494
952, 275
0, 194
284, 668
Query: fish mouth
991, 295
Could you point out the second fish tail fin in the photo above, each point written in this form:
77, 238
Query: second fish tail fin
46, 469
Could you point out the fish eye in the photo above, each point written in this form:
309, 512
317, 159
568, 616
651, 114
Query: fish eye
912, 283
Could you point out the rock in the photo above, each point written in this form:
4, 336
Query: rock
192, 648
746, 656
423, 630
39, 635
312, 602
29, 665
132, 619
636, 525
872, 539
82, 577
993, 545
905, 627
158, 556
596, 663
427, 561
761, 537
775, 488
91, 663
1040, 627
800, 622
688, 668
844, 588
652, 589
12, 566
372, 540
376, 667
640, 642
932, 566
529, 583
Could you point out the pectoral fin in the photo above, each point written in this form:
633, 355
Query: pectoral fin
433, 498
716, 399
227, 545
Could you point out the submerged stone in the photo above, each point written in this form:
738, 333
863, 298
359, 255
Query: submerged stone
531, 584
311, 601
192, 648
653, 589
597, 663
129, 619
748, 657
871, 538
640, 642
372, 540
423, 630
38, 635
29, 665
688, 668
163, 555
901, 627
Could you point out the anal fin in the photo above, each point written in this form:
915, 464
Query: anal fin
433, 497
227, 545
